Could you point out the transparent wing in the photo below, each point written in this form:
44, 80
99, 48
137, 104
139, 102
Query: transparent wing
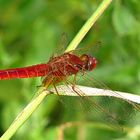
109, 110
62, 44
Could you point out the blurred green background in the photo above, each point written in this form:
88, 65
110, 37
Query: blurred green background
30, 31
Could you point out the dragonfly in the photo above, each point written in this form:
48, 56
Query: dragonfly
56, 70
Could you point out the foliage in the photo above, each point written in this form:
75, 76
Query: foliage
29, 33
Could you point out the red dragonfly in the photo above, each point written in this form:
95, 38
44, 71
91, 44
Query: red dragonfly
57, 68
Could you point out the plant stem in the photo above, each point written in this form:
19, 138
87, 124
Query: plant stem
24, 115
86, 27
90, 91
32, 106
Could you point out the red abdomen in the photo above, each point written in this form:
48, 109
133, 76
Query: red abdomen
26, 72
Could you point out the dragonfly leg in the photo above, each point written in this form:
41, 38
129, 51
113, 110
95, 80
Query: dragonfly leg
73, 86
56, 89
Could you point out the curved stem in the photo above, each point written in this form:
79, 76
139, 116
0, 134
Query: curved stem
90, 91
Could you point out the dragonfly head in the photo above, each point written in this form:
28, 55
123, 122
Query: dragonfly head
89, 62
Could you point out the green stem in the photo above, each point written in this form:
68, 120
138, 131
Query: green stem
24, 115
86, 27
32, 106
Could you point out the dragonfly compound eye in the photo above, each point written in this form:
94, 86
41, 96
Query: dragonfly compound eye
92, 63
89, 62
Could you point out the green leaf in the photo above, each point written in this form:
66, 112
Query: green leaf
123, 20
